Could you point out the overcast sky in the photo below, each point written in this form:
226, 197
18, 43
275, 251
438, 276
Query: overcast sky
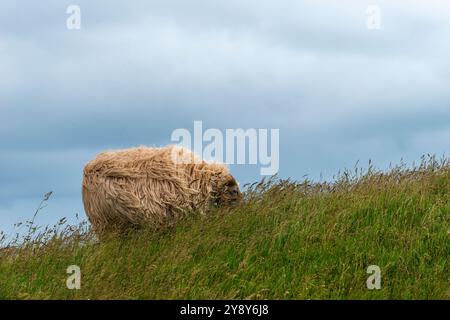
136, 70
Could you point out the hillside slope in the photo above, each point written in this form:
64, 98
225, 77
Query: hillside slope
285, 241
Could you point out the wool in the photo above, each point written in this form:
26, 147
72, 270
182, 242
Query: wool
146, 186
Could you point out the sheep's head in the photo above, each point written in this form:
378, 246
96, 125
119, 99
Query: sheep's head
228, 192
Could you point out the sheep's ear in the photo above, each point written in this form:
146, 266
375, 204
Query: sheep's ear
230, 182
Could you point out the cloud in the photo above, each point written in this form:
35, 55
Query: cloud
337, 91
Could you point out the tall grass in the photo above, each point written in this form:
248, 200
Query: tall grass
286, 240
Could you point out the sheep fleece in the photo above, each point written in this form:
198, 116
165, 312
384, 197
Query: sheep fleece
148, 186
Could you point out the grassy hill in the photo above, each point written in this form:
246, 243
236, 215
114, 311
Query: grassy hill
287, 240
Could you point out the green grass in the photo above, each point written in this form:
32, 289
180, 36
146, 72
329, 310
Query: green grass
285, 241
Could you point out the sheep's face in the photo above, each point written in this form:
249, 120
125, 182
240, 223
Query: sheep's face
228, 193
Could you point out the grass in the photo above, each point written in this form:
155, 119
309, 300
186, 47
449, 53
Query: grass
287, 240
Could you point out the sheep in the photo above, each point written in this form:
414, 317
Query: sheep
153, 187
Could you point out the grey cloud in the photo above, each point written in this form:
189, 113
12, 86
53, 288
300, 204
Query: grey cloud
136, 71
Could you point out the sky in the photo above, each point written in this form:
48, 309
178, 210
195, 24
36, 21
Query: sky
338, 89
